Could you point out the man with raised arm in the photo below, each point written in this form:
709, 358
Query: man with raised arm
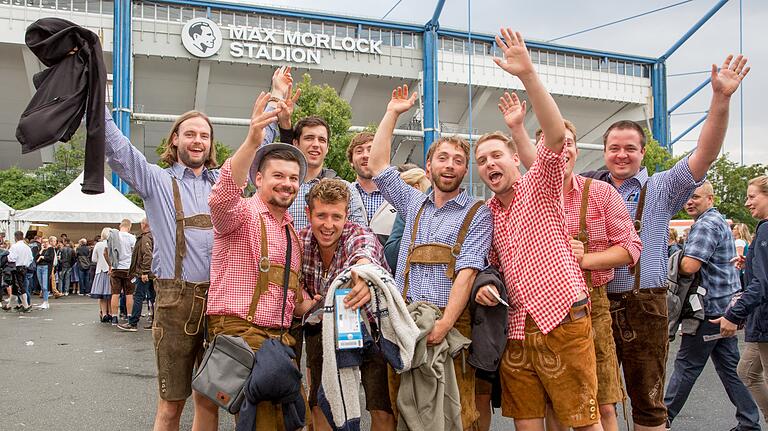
603, 239
176, 202
447, 235
638, 304
550, 353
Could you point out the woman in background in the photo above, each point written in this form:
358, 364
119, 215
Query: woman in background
742, 239
100, 288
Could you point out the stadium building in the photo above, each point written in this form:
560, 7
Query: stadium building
167, 57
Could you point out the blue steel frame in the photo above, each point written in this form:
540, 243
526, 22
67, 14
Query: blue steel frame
122, 60
122, 64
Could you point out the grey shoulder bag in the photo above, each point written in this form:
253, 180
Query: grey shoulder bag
228, 361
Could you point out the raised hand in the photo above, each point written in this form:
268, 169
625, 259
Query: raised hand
516, 60
727, 80
512, 110
400, 101
281, 82
260, 119
284, 118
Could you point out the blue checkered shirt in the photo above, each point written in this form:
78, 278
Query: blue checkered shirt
436, 225
371, 201
666, 194
711, 243
298, 207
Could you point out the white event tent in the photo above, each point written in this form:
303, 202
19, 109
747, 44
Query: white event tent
5, 219
78, 214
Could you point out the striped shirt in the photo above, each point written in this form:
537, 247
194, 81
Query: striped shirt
666, 194
436, 225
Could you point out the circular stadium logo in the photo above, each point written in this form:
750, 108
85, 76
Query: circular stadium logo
201, 37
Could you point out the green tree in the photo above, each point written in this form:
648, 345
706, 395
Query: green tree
223, 152
323, 101
21, 189
657, 158
729, 180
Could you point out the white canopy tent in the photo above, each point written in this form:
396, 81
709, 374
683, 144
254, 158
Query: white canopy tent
5, 219
71, 209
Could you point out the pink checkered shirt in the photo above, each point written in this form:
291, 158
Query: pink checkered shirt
608, 222
237, 251
530, 241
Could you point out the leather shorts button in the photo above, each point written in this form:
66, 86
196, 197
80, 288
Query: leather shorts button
591, 402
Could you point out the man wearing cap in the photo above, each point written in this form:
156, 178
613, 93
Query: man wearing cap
176, 202
251, 246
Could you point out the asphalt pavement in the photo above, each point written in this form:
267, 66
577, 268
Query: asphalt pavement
64, 370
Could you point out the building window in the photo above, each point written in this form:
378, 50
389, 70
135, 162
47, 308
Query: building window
408, 40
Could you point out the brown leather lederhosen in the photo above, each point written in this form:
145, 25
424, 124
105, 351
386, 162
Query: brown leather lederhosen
436, 253
610, 389
272, 273
180, 307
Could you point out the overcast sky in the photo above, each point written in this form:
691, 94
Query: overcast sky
650, 36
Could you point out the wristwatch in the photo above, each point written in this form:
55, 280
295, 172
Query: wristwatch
275, 99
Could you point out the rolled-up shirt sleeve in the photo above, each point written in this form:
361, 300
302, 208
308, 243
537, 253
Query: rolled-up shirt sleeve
474, 251
677, 183
228, 207
396, 191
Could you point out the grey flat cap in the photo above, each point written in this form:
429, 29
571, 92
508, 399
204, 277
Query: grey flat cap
266, 149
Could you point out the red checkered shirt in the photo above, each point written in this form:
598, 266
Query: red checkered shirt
608, 222
237, 251
531, 243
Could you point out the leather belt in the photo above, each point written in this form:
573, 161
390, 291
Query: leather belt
579, 310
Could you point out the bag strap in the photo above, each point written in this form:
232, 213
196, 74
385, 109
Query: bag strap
638, 228
583, 232
286, 275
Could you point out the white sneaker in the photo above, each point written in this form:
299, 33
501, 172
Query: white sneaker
44, 306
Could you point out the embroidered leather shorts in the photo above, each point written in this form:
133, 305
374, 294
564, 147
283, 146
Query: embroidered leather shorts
558, 367
609, 390
178, 335
641, 338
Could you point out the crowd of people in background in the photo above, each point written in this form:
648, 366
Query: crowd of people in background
45, 267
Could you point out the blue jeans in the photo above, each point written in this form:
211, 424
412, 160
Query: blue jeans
691, 359
42, 278
65, 275
144, 291
84, 279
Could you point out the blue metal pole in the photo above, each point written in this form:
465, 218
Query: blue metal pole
693, 29
431, 116
430, 112
121, 75
117, 68
691, 94
660, 116
693, 126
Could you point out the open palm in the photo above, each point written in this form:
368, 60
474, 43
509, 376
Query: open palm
516, 58
512, 109
400, 101
727, 80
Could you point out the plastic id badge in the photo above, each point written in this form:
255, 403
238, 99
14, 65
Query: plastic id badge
349, 335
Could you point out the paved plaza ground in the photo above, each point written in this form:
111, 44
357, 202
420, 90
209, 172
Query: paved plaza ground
63, 370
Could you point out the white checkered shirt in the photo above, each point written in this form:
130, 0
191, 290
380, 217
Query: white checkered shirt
436, 225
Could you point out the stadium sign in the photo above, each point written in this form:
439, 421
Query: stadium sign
203, 38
